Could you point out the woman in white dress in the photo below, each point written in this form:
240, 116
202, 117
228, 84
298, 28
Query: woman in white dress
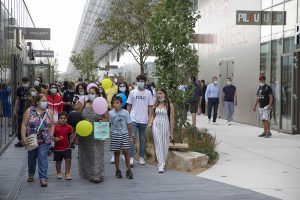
162, 123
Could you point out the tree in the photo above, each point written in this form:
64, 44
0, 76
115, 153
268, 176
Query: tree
84, 61
125, 27
171, 30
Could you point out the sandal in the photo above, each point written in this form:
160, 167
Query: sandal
96, 180
44, 183
30, 179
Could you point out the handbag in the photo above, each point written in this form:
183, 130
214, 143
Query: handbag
32, 138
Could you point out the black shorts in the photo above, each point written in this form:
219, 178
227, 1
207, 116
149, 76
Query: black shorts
60, 155
193, 107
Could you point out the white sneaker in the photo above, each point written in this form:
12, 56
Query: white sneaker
123, 157
112, 160
131, 161
229, 123
214, 123
142, 161
161, 170
209, 121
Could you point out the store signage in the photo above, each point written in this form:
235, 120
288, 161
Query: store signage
246, 17
43, 53
29, 33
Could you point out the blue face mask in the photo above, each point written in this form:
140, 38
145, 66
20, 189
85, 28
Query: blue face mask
33, 94
140, 85
122, 89
53, 90
43, 105
36, 83
91, 97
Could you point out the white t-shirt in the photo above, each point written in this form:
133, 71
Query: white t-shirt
140, 100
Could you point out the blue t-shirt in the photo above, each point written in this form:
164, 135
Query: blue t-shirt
229, 91
119, 121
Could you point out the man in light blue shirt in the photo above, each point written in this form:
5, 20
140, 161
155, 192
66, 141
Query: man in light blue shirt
212, 96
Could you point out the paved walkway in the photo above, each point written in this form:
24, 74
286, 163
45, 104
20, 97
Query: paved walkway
147, 184
266, 165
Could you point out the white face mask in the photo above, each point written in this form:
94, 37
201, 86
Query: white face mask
215, 82
140, 85
36, 83
122, 89
261, 84
81, 93
229, 82
161, 100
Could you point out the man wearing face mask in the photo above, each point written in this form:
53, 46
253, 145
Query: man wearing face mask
139, 105
19, 108
265, 101
229, 100
212, 96
68, 97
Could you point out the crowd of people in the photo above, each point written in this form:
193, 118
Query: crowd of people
44, 109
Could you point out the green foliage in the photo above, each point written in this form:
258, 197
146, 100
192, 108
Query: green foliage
201, 141
171, 30
125, 27
84, 61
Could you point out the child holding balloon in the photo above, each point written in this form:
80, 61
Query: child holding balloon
121, 135
62, 149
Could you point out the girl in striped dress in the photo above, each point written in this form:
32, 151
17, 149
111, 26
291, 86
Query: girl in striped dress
162, 123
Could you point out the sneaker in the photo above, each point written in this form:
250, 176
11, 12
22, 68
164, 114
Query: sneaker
49, 152
112, 160
123, 157
68, 176
142, 161
119, 173
262, 135
229, 123
161, 170
129, 174
214, 123
268, 135
19, 144
58, 176
209, 121
131, 162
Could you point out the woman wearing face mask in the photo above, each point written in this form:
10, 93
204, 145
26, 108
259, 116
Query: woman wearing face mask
55, 103
80, 93
33, 93
162, 123
91, 151
34, 117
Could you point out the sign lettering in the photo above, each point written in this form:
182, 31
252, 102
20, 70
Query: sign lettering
244, 17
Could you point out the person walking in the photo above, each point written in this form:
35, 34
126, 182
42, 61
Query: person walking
19, 108
212, 96
55, 102
121, 135
194, 100
202, 102
90, 150
264, 97
38, 120
68, 97
229, 100
62, 147
139, 105
162, 123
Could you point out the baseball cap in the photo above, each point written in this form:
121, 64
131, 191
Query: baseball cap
262, 77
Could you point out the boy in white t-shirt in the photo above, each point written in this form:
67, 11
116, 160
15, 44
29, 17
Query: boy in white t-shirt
139, 105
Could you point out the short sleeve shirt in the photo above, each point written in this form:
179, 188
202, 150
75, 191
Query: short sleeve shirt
63, 132
22, 93
140, 100
263, 93
229, 91
119, 121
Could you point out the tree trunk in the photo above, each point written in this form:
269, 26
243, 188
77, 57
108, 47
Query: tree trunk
142, 65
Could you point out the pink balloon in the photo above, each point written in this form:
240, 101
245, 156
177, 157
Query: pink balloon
91, 85
100, 105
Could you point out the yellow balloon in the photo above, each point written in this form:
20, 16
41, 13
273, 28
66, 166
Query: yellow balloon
106, 83
84, 128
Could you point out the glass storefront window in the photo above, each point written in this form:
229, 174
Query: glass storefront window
291, 18
275, 2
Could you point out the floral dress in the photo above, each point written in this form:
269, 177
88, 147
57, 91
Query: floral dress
43, 135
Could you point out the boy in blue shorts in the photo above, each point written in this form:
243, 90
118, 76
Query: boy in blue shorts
121, 135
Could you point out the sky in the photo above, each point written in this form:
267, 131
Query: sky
63, 18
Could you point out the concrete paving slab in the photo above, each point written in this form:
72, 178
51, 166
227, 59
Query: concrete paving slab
267, 165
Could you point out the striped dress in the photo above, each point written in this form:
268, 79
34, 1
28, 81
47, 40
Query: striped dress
161, 129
